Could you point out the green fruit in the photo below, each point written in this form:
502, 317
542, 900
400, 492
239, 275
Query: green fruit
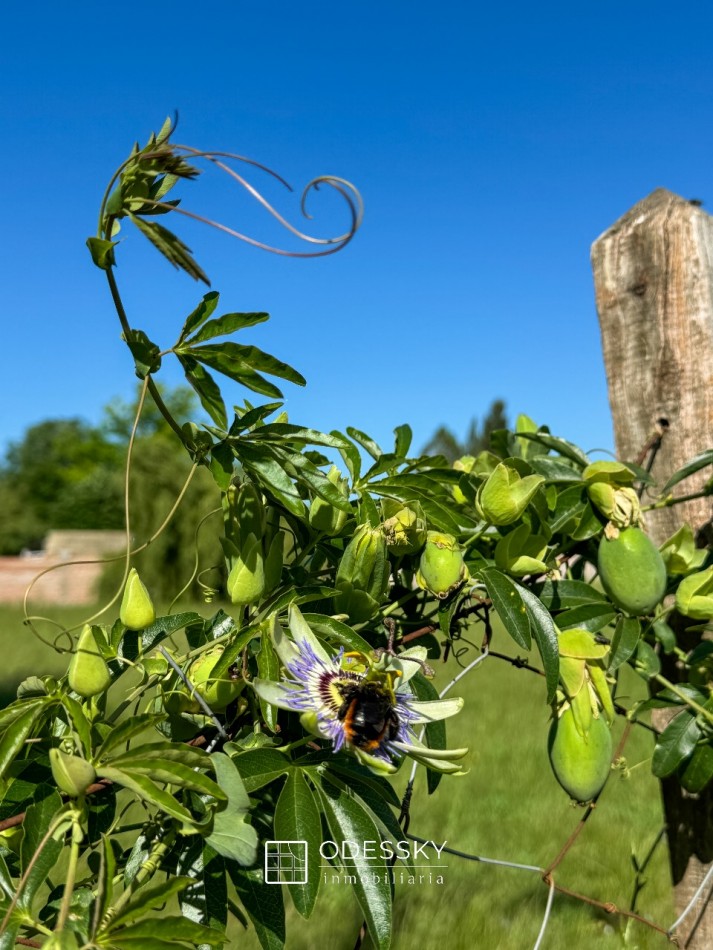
217, 692
88, 673
632, 571
441, 569
581, 765
72, 774
137, 610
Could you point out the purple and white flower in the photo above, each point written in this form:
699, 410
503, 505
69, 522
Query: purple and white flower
316, 683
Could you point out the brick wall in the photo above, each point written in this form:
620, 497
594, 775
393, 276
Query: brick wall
72, 583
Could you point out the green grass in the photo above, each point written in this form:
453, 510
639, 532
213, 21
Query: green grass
508, 806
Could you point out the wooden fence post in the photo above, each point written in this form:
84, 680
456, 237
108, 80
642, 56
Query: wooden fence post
653, 277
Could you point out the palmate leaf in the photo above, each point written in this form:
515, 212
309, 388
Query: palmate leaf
241, 357
259, 767
206, 388
349, 821
198, 316
226, 324
297, 819
205, 901
170, 246
264, 905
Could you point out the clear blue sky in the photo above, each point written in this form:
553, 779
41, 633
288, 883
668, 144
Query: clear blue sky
491, 146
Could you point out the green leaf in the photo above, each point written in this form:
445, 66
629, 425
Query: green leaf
145, 353
268, 667
260, 767
241, 358
646, 661
206, 388
176, 928
351, 456
105, 881
16, 733
147, 898
545, 634
435, 734
309, 475
127, 729
148, 791
231, 653
624, 642
402, 442
592, 617
138, 855
102, 252
555, 470
560, 595
170, 246
264, 905
348, 821
692, 466
699, 770
79, 722
198, 317
161, 628
676, 743
205, 901
334, 630
226, 324
562, 446
294, 435
38, 864
168, 771
508, 602
232, 836
260, 461
297, 819
365, 441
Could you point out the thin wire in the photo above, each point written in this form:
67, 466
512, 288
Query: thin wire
479, 858
692, 901
545, 919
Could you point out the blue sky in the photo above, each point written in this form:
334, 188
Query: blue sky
491, 147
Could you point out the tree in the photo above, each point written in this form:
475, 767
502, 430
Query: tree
444, 442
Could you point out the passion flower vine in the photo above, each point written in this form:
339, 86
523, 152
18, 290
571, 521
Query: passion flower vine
359, 702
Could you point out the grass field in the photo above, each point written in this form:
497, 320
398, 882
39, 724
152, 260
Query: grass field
508, 807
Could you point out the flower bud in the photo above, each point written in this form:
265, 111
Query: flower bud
274, 562
88, 672
244, 513
72, 774
619, 504
521, 552
680, 553
246, 581
405, 527
137, 609
326, 517
694, 596
441, 568
362, 575
505, 495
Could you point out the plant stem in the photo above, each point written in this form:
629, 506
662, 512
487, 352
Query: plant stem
669, 500
77, 835
701, 710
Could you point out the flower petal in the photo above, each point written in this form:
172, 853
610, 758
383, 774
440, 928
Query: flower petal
417, 749
302, 634
373, 762
284, 647
431, 711
408, 663
274, 693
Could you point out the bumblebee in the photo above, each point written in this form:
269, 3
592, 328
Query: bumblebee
368, 714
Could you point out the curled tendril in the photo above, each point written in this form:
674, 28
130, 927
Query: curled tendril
348, 192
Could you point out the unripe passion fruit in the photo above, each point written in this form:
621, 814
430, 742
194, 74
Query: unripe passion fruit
632, 571
217, 692
580, 765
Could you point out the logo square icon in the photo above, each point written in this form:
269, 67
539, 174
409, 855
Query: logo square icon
285, 862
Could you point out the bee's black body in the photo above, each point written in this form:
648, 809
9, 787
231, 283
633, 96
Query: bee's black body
368, 714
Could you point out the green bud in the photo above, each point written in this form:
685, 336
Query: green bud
405, 527
505, 495
246, 581
521, 552
619, 504
694, 596
88, 672
244, 513
137, 609
72, 774
680, 554
274, 562
441, 569
326, 517
362, 575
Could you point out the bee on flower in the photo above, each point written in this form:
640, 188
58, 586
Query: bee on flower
359, 702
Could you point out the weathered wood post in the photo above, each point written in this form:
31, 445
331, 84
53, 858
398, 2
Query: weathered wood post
653, 277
